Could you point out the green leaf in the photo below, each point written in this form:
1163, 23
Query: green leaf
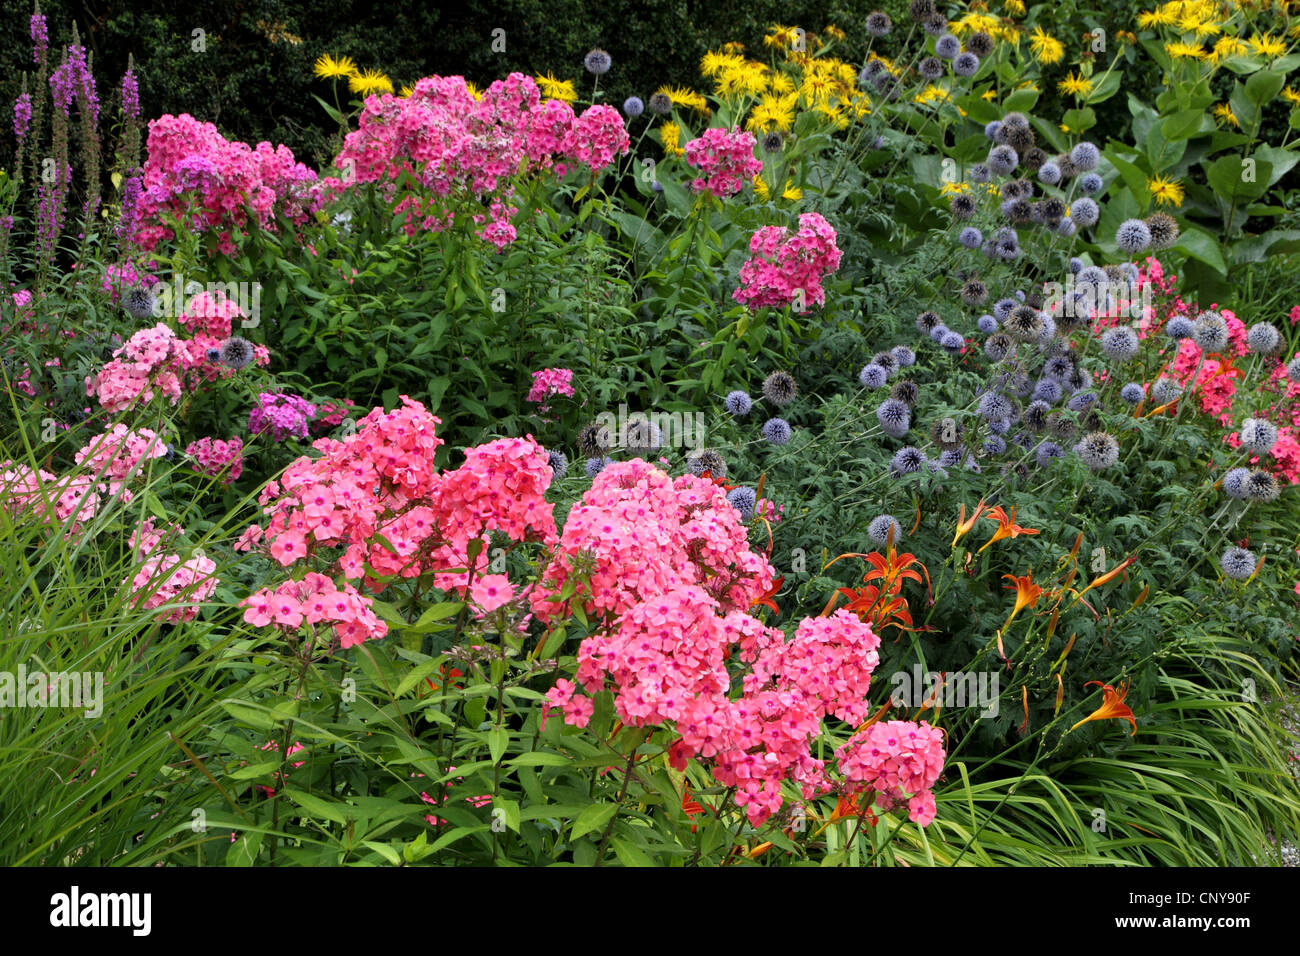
630, 855
1263, 86
316, 807
1203, 247
497, 738
256, 770
592, 818
1021, 101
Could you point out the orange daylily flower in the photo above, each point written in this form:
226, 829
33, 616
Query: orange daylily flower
1027, 593
1112, 706
893, 569
1109, 575
766, 598
1007, 527
964, 526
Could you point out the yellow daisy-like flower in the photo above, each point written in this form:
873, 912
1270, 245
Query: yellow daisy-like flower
405, 91
817, 88
833, 113
556, 89
779, 83
680, 96
370, 81
1180, 50
1291, 96
772, 112
1162, 16
932, 94
1046, 49
1223, 112
781, 38
328, 68
976, 23
993, 189
761, 189
834, 32
1076, 86
1266, 45
670, 136
1014, 7
791, 192
747, 79
1127, 36
952, 189
1063, 127
1165, 191
1225, 47
1028, 85
474, 91
733, 47
989, 95
712, 63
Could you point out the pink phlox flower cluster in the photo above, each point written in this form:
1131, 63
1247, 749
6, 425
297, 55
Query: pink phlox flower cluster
166, 578
282, 414
146, 365
898, 759
116, 454
215, 457
549, 382
785, 268
124, 275
234, 184
315, 600
725, 158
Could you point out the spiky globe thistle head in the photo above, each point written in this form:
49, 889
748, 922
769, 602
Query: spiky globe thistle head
660, 103
1048, 390
594, 440
633, 107
953, 343
1024, 324
962, 206
1085, 156
906, 460
1132, 393
1002, 159
1237, 563
997, 346
1015, 120
1132, 236
212, 354
1081, 401
1053, 209
558, 462
1034, 158
974, 292
1090, 184
970, 237
884, 530
1000, 427
776, 431
1003, 307
237, 353
1036, 412
1210, 332
950, 457
1260, 486
1098, 450
596, 465
738, 403
1259, 435
773, 141
1179, 327
920, 9
894, 417
1016, 189
931, 68
879, 24
1165, 390
1164, 230
938, 332
743, 499
887, 361
779, 389
1262, 338
1018, 211
947, 47
927, 321
1049, 174
966, 64
980, 43
987, 324
1085, 211
1068, 169
709, 461
1019, 138
597, 61
643, 437
1293, 369
936, 24
1060, 427
138, 302
1058, 367
905, 392
994, 406
904, 356
1234, 482
1066, 227
1008, 250
1047, 452
1120, 343
872, 376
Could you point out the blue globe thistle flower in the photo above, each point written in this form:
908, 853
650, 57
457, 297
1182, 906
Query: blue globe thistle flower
1008, 250
1262, 338
1120, 343
1076, 265
1094, 276
738, 403
979, 173
1165, 391
1238, 563
596, 465
904, 356
597, 61
947, 46
1261, 486
1293, 369
1258, 435
1086, 212
883, 529
991, 129
970, 237
1132, 236
972, 465
708, 460
894, 417
138, 303
938, 332
1047, 452
237, 353
1002, 308
1049, 173
1066, 227
1091, 184
1003, 160
950, 457
872, 376
1085, 157
994, 406
558, 463
931, 68
633, 106
1000, 427
907, 460
995, 444
743, 499
879, 24
1048, 390
1049, 328
1058, 367
1132, 393
1081, 401
776, 431
1098, 450
1234, 482
953, 343
213, 354
966, 64
1179, 327
779, 388
987, 324
1210, 332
